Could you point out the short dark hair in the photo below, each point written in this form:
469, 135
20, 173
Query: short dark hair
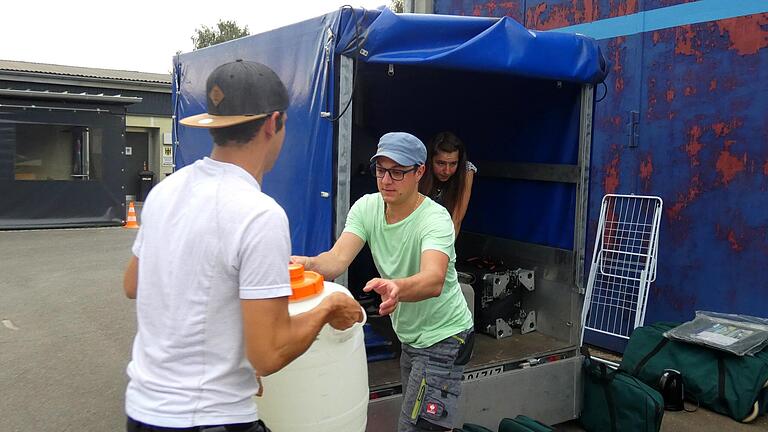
240, 134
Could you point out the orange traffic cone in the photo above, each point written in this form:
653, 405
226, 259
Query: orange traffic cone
130, 221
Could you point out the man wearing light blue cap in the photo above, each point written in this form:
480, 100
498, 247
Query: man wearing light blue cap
411, 239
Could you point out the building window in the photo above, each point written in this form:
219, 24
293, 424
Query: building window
52, 152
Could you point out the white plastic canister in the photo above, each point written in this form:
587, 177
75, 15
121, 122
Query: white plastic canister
326, 388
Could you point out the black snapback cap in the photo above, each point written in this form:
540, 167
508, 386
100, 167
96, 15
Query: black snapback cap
239, 92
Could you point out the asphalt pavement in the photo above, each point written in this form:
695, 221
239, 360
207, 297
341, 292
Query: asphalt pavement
66, 331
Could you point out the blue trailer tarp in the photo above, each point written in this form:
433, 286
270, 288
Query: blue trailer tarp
304, 56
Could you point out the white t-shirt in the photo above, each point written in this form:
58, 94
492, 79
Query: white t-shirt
208, 238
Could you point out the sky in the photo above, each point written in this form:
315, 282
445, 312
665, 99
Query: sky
136, 35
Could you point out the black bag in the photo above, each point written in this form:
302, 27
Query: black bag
615, 401
520, 423
720, 381
523, 423
469, 427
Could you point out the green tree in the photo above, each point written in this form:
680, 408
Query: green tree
222, 32
397, 6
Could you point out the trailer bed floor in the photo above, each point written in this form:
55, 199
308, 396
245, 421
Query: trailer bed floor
488, 351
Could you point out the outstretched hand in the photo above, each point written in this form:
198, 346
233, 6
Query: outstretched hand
389, 292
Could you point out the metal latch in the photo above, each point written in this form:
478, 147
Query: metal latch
633, 129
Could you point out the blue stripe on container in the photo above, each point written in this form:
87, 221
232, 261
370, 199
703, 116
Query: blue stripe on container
673, 16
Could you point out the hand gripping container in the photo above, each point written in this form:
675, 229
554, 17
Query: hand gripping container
326, 388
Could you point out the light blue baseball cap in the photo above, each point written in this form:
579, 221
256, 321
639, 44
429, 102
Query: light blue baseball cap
403, 148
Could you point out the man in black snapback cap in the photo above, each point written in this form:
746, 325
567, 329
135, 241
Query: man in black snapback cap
244, 100
240, 92
210, 271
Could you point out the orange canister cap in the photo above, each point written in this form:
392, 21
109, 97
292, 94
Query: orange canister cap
304, 283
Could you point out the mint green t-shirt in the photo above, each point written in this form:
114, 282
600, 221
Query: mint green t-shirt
397, 250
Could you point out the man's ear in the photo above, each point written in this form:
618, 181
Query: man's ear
270, 125
420, 171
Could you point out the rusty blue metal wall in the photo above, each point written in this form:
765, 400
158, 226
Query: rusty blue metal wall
701, 93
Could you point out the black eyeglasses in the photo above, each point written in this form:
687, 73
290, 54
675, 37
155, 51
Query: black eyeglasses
396, 174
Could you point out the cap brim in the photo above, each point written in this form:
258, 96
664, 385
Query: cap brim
209, 121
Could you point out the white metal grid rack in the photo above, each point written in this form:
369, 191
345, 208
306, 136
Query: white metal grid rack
623, 264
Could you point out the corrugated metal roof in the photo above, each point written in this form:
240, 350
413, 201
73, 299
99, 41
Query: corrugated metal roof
84, 72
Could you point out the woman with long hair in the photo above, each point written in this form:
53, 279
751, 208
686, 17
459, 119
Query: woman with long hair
449, 176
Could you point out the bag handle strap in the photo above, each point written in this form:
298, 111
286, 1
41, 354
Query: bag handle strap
605, 382
641, 364
721, 379
604, 378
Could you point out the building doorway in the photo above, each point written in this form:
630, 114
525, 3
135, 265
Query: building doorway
136, 155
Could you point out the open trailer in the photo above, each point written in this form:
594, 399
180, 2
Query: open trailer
521, 100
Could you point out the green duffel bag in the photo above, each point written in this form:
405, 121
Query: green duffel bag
717, 380
523, 423
615, 401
